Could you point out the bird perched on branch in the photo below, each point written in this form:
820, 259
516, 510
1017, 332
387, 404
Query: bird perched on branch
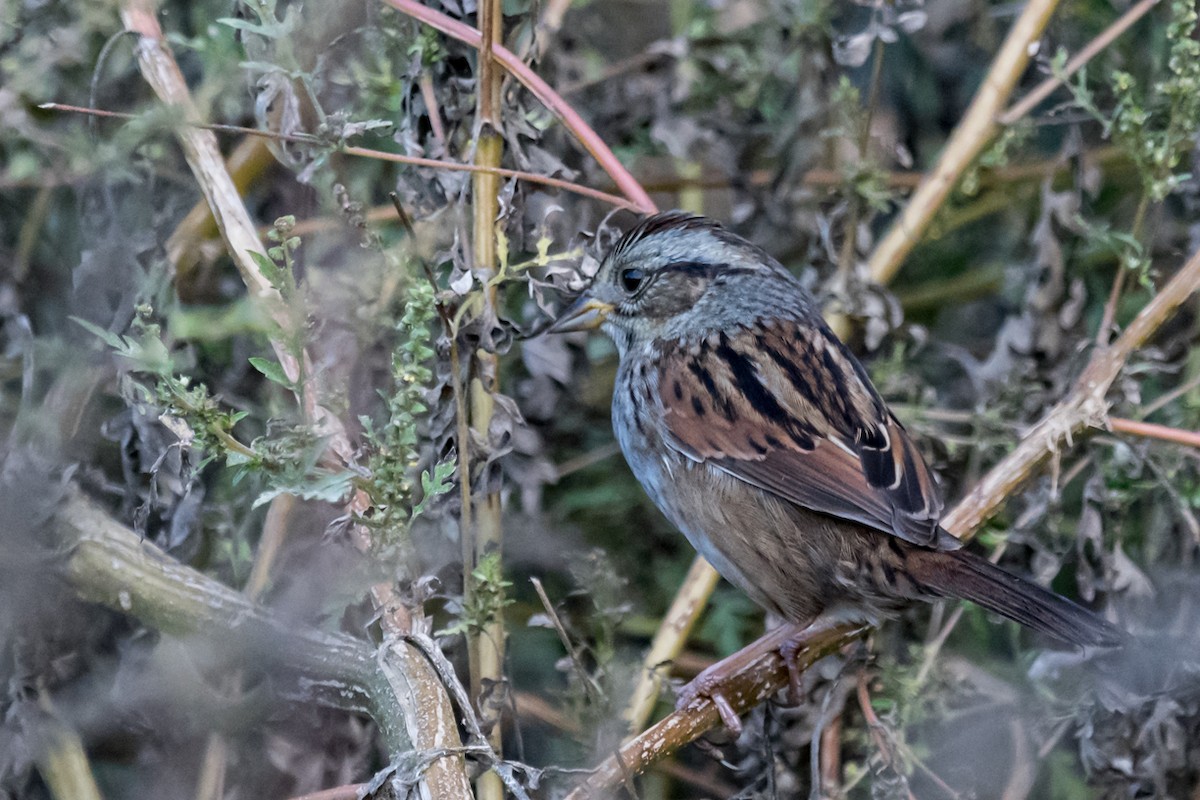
758, 434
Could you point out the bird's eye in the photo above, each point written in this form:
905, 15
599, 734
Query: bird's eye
631, 279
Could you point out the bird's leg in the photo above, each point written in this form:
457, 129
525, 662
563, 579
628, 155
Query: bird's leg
786, 642
711, 683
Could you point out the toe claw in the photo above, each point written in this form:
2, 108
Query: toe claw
707, 686
728, 716
788, 652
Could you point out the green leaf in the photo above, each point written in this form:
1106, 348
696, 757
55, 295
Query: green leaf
270, 270
234, 458
271, 30
116, 342
436, 484
273, 371
330, 487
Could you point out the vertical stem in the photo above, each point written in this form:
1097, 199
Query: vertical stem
486, 647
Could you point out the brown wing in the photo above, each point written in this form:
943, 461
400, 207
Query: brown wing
787, 408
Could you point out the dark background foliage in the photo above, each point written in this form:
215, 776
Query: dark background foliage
800, 124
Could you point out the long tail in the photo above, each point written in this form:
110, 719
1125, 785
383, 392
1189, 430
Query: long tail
961, 574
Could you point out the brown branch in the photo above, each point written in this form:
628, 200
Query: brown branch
569, 117
759, 680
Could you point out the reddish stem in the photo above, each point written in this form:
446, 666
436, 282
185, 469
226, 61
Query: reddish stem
1152, 431
590, 140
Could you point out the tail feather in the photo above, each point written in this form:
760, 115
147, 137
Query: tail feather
965, 575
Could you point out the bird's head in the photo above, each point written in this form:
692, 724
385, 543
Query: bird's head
658, 282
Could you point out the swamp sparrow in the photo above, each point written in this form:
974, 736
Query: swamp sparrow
760, 436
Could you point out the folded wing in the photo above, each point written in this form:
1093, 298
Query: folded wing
786, 407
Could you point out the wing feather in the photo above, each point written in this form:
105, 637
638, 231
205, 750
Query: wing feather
786, 407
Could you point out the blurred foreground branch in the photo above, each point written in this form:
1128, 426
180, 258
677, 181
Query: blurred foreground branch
62, 760
109, 564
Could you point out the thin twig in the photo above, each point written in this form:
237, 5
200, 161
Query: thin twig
1108, 318
425, 82
1154, 431
589, 685
533, 706
1160, 403
849, 252
590, 458
1026, 104
378, 155
887, 744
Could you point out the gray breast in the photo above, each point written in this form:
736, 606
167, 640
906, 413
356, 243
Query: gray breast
702, 502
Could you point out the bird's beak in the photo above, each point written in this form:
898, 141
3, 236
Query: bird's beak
585, 314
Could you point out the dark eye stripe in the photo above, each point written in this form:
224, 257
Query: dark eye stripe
700, 268
705, 269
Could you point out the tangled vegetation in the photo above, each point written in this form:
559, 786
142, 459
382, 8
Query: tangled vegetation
296, 497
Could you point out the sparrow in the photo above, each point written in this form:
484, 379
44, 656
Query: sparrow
760, 436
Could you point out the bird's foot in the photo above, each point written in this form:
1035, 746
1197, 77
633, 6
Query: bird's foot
798, 638
712, 684
708, 685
